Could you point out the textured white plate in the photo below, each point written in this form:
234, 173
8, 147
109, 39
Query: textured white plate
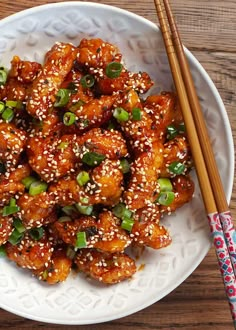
30, 34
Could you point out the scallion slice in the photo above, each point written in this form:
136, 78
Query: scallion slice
70, 252
182, 128
2, 251
120, 114
11, 208
63, 145
136, 114
121, 211
8, 115
176, 167
77, 105
3, 77
81, 240
62, 97
17, 223
125, 166
36, 233
87, 81
2, 106
64, 219
15, 237
11, 103
69, 118
69, 209
113, 69
37, 187
166, 198
92, 158
171, 131
165, 184
84, 209
127, 224
82, 178
27, 181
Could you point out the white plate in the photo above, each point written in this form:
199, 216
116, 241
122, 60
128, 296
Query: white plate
30, 34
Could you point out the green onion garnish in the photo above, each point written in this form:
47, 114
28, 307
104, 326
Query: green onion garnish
36, 233
82, 178
182, 128
84, 209
69, 209
2, 168
120, 114
17, 223
121, 211
15, 237
176, 167
136, 114
3, 77
113, 69
64, 219
87, 81
11, 208
27, 181
70, 252
62, 97
127, 224
8, 115
69, 118
77, 106
166, 198
81, 240
63, 145
11, 104
165, 184
37, 187
125, 165
171, 131
2, 106
92, 158
2, 251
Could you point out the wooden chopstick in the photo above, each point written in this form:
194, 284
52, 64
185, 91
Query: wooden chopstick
212, 169
209, 199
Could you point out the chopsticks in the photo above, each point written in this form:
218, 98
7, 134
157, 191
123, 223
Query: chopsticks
218, 213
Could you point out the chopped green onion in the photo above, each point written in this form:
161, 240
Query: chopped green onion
63, 145
3, 77
27, 181
121, 211
17, 223
84, 200
84, 209
11, 104
182, 128
125, 165
120, 114
127, 224
62, 97
77, 106
72, 87
2, 251
166, 198
15, 237
37, 187
2, 168
110, 125
64, 219
136, 114
81, 240
2, 106
82, 178
36, 233
70, 252
87, 81
92, 158
69, 209
171, 131
165, 184
113, 69
69, 118
176, 167
8, 115
11, 208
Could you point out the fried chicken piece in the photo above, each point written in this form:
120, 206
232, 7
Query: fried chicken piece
24, 71
58, 63
6, 228
106, 268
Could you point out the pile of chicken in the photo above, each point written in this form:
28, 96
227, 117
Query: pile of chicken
36, 143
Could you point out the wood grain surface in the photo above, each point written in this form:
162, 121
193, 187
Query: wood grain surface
208, 29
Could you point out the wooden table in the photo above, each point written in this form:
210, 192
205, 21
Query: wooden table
208, 29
